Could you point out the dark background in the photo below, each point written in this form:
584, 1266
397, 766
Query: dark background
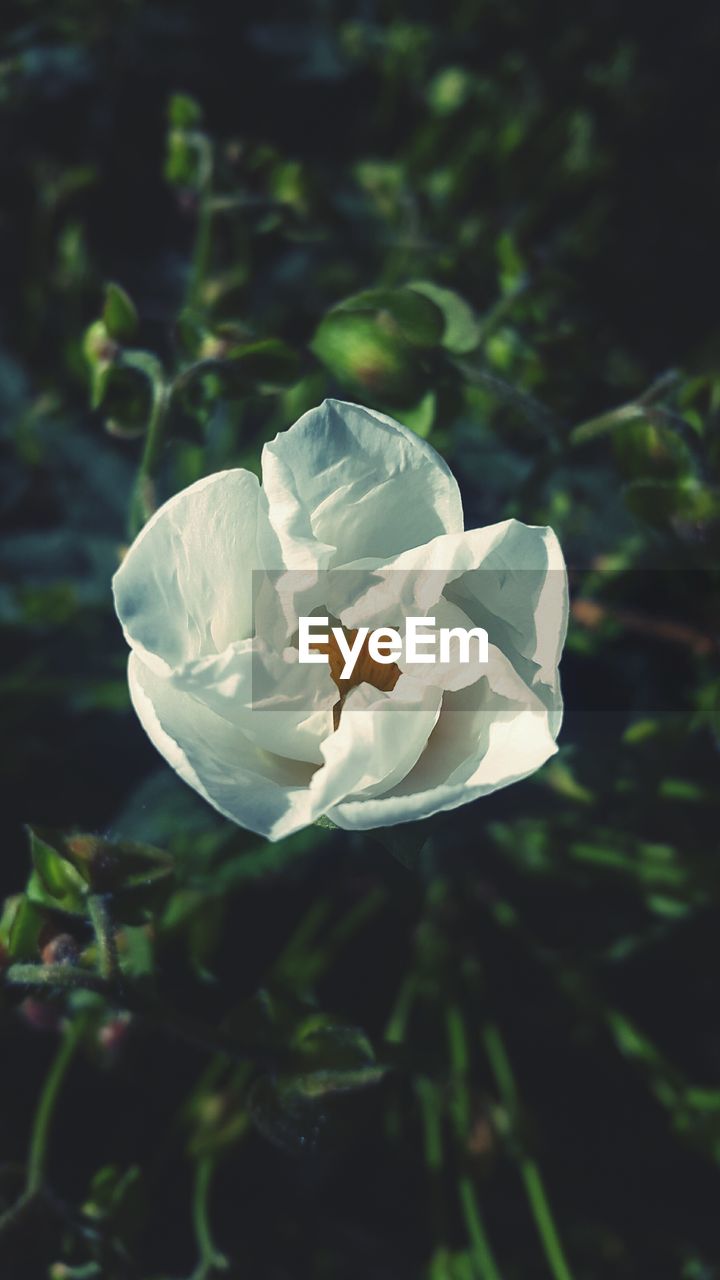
557, 167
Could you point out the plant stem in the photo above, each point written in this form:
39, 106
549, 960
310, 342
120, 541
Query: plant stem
432, 1121
60, 976
397, 1023
210, 1259
142, 503
203, 239
37, 1155
529, 1169
481, 1252
104, 935
541, 1212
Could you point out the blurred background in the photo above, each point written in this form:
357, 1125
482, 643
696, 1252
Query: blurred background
484, 1046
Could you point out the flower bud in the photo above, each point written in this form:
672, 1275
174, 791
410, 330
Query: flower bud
61, 949
40, 1015
119, 313
375, 342
113, 1034
98, 346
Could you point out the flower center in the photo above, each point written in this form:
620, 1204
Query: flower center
366, 669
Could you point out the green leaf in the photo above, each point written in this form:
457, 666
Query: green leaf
119, 313
58, 879
421, 416
644, 449
20, 925
183, 111
292, 1109
410, 843
406, 312
512, 264
138, 876
462, 329
269, 361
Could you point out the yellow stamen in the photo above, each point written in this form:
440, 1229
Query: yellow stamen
366, 670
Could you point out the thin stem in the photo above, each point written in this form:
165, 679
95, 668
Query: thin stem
482, 1254
203, 237
431, 1111
210, 1259
397, 1023
529, 1169
430, 1102
42, 1123
104, 936
142, 503
55, 976
544, 1222
459, 1062
606, 422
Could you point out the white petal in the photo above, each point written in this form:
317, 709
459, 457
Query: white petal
185, 586
346, 483
278, 704
519, 593
257, 790
454, 674
487, 736
509, 578
380, 737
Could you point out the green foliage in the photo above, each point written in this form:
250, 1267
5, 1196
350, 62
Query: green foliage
483, 1045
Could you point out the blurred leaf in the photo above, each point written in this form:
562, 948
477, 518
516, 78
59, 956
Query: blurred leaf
119, 314
646, 450
462, 330
421, 416
183, 111
138, 876
58, 878
296, 1111
20, 925
268, 361
662, 503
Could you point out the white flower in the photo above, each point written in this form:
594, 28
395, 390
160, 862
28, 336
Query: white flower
273, 744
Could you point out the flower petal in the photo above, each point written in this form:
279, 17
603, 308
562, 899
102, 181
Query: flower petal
509, 578
253, 788
487, 736
520, 595
184, 588
345, 483
276, 703
380, 737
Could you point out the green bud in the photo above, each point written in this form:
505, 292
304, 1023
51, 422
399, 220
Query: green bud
69, 867
184, 112
449, 89
119, 313
375, 341
100, 351
98, 345
181, 162
288, 184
